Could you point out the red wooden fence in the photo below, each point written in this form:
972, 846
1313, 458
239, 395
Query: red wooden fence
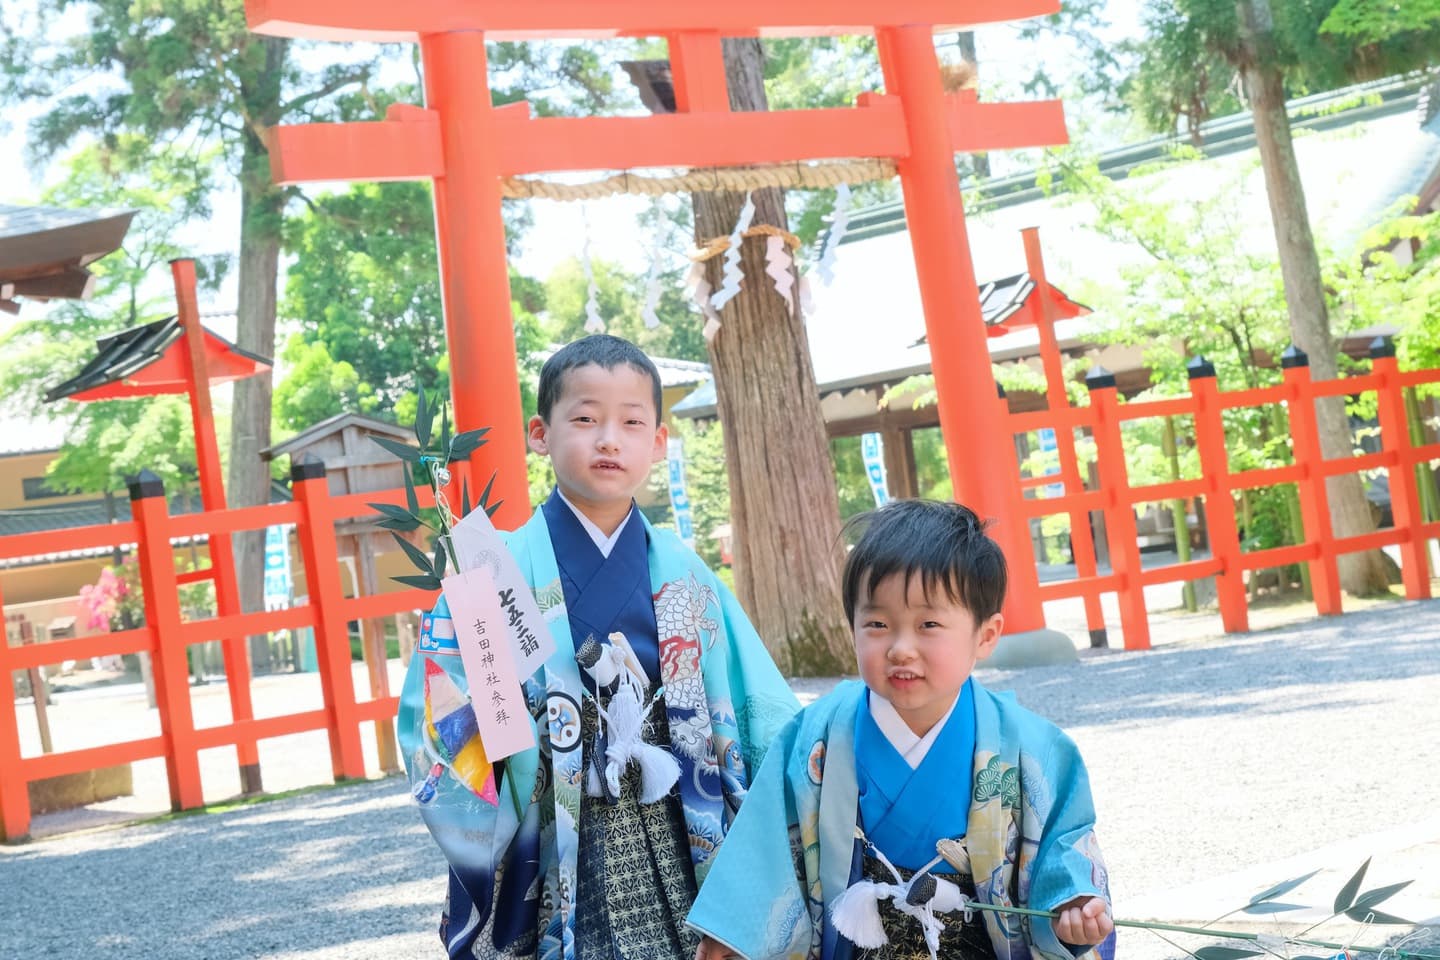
166, 635
1115, 498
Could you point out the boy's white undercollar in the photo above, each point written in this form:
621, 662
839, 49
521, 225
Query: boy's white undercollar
911, 747
604, 543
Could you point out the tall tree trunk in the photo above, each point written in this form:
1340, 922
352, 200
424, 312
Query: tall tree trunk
261, 212
1350, 514
785, 512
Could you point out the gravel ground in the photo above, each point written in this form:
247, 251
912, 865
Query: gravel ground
1218, 767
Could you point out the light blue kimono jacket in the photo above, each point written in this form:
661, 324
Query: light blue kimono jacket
513, 865
791, 851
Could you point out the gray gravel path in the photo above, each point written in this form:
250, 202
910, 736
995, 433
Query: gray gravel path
1214, 764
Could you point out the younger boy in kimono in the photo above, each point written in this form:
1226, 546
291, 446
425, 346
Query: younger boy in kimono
651, 715
887, 805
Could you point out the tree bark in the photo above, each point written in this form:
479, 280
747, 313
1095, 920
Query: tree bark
785, 511
261, 212
1350, 515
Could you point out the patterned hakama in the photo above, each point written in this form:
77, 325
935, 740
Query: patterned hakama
636, 882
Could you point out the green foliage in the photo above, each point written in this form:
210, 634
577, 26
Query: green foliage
1191, 51
317, 386
1373, 21
621, 296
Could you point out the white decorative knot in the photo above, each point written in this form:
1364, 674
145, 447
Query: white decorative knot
856, 912
624, 721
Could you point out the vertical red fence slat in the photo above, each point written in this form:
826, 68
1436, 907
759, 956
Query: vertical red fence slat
14, 791
1404, 492
1314, 494
1221, 529
1119, 514
212, 496
332, 640
168, 653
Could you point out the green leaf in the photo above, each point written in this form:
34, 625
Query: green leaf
402, 450
410, 499
466, 443
440, 557
444, 426
1360, 915
490, 511
426, 582
417, 556
408, 524
465, 497
1379, 895
1280, 888
424, 419
1346, 896
1224, 953
1271, 906
392, 511
485, 495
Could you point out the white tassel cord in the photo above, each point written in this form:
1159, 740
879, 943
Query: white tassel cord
856, 912
624, 722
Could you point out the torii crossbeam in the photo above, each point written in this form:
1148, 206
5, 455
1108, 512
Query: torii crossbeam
466, 146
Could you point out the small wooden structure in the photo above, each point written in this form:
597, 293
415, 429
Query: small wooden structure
356, 464
44, 251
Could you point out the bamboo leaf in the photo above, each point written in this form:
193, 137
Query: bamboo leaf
1271, 906
392, 511
465, 497
466, 443
1280, 888
410, 498
485, 494
1361, 915
416, 555
444, 426
440, 557
424, 419
425, 582
1346, 896
1378, 896
490, 511
391, 523
402, 450
1224, 953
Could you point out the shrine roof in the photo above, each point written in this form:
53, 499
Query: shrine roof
44, 250
145, 360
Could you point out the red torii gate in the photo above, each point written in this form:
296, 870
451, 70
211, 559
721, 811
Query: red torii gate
465, 145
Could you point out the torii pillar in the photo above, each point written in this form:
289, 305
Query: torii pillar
467, 146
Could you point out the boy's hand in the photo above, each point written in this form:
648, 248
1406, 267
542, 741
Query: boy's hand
712, 950
1084, 921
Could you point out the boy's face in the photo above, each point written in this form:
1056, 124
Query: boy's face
916, 651
602, 437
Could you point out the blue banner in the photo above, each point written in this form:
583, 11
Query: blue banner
679, 500
872, 451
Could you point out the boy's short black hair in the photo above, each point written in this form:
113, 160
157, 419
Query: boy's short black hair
945, 544
600, 349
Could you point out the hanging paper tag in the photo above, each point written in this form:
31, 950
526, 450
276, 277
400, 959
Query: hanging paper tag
478, 547
495, 693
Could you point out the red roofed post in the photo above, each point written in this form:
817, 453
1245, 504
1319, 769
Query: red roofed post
466, 146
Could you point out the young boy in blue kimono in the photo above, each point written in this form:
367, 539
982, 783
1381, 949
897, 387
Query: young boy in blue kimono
651, 715
886, 805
